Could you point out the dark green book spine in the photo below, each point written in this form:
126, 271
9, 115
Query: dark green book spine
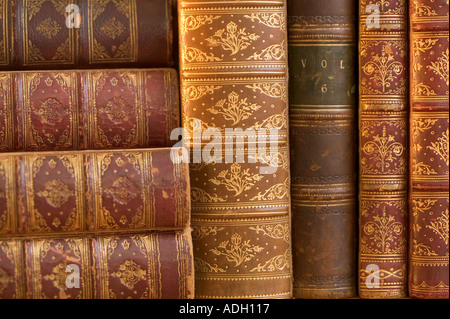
323, 108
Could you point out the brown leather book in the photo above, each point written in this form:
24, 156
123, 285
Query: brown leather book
322, 90
63, 34
383, 149
233, 69
88, 109
429, 186
95, 224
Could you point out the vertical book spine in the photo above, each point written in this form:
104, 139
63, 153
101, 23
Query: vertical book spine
322, 64
383, 147
233, 65
429, 125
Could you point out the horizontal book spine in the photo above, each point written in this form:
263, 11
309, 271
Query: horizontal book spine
233, 67
63, 34
88, 192
98, 109
429, 149
383, 149
138, 266
322, 60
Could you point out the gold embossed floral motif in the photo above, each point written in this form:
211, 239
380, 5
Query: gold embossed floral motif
440, 66
385, 152
56, 193
130, 274
58, 276
49, 28
189, 23
122, 190
439, 226
441, 147
384, 69
385, 235
113, 28
237, 250
236, 180
232, 38
234, 109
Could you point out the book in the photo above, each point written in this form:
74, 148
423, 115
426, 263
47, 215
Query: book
429, 123
119, 219
323, 130
67, 34
88, 109
233, 69
383, 149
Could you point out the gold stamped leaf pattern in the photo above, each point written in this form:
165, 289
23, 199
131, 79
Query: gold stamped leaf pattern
440, 226
234, 109
385, 234
276, 263
274, 52
441, 147
272, 20
237, 250
189, 23
236, 180
384, 69
232, 38
440, 66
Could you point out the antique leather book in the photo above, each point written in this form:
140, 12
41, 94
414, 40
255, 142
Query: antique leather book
121, 217
323, 104
67, 34
429, 147
233, 68
383, 149
88, 109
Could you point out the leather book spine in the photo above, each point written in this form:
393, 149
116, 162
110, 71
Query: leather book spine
92, 192
429, 149
323, 108
88, 109
66, 34
233, 67
132, 266
383, 149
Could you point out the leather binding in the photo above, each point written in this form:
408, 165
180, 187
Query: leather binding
323, 104
383, 142
125, 33
429, 186
122, 217
88, 109
233, 67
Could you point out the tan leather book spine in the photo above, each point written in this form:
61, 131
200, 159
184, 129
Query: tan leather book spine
429, 147
383, 149
233, 67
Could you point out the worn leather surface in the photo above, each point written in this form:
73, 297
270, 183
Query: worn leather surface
323, 103
233, 67
122, 216
123, 33
383, 149
98, 109
429, 190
